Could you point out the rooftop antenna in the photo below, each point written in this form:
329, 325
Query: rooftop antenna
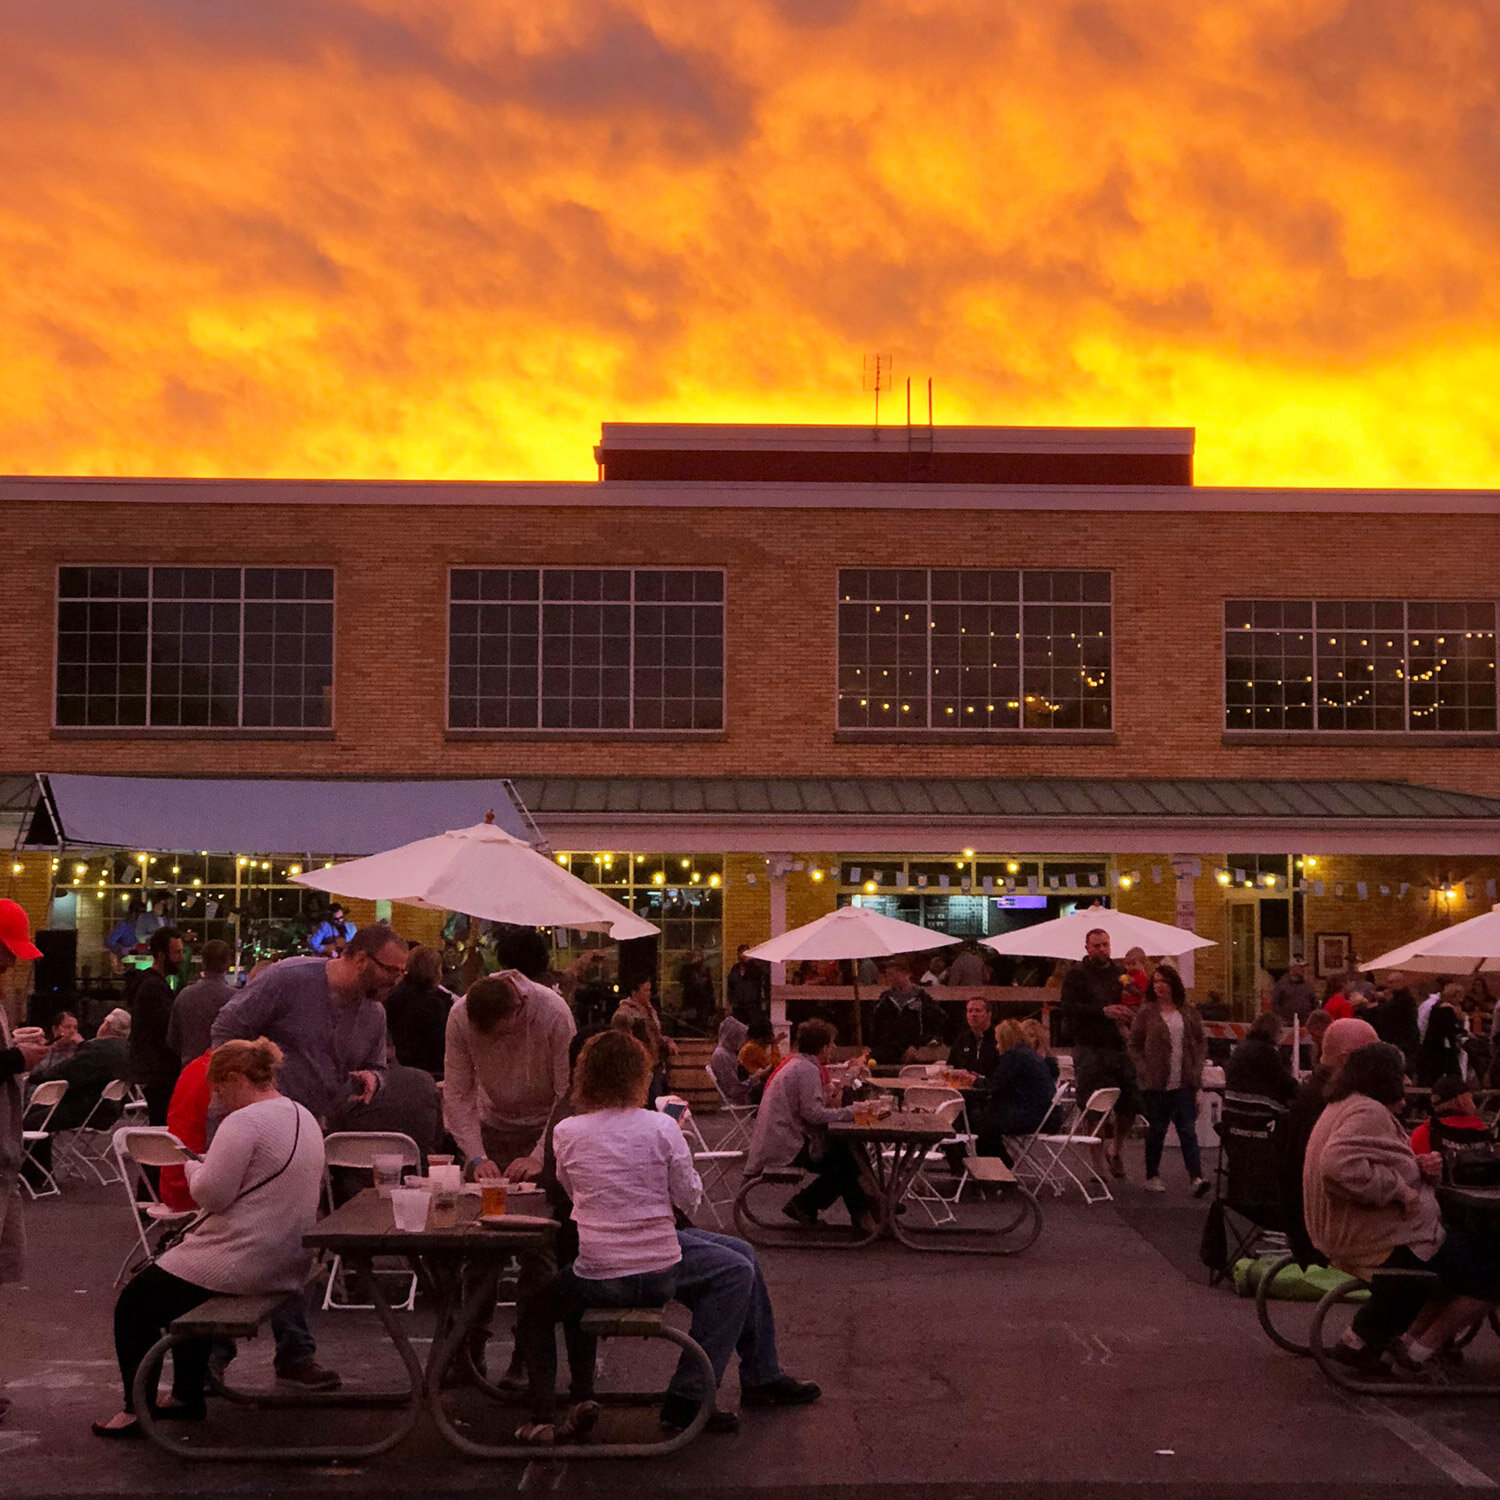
877, 378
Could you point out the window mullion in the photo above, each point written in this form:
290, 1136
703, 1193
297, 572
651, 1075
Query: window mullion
630, 701
1317, 675
239, 707
541, 618
150, 643
927, 621
1406, 664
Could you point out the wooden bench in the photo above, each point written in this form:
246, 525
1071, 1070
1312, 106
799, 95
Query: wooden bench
789, 1175
228, 1317
624, 1322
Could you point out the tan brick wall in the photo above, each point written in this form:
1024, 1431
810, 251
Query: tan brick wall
1172, 572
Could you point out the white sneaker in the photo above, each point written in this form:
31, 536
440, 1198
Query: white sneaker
1155, 1185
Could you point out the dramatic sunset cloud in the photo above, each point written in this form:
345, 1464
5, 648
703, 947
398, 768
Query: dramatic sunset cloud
433, 238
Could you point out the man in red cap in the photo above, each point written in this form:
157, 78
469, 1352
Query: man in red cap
20, 1052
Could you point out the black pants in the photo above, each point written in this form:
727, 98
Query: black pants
837, 1177
158, 1097
1394, 1302
143, 1312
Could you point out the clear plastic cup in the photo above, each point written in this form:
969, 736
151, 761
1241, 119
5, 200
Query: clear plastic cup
410, 1207
387, 1171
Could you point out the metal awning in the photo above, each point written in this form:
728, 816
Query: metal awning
166, 814
1011, 814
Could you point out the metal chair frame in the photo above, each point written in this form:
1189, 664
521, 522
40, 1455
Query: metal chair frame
356, 1150
137, 1147
1052, 1167
46, 1096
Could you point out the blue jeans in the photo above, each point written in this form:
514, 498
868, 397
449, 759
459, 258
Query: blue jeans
720, 1282
294, 1340
564, 1300
1177, 1107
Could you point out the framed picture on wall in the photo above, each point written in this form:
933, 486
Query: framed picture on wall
1333, 953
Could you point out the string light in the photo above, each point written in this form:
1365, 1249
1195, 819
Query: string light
18, 869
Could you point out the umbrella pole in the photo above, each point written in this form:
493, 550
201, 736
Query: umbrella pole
859, 1040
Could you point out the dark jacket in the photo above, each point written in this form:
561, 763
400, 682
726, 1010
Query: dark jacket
93, 1065
895, 1026
1293, 1131
1021, 1090
1092, 984
1396, 1021
407, 1101
416, 1021
975, 1054
1151, 1047
1256, 1067
747, 990
1442, 1047
153, 1060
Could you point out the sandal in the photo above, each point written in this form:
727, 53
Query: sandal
579, 1422
537, 1434
128, 1433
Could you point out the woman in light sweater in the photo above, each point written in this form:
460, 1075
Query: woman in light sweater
257, 1189
625, 1168
1369, 1204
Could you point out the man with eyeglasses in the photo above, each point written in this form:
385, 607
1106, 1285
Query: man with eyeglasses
327, 1017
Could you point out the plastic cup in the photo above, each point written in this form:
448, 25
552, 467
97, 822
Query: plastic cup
492, 1198
387, 1174
410, 1206
439, 1161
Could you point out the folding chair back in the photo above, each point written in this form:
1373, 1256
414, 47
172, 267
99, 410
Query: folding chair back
1046, 1154
739, 1116
136, 1147
151, 1146
357, 1149
39, 1109
46, 1096
713, 1166
1089, 1120
913, 1070
88, 1146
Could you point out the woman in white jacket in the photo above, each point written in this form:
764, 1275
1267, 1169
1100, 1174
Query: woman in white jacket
257, 1189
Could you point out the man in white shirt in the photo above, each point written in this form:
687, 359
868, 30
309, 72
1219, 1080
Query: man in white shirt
505, 1065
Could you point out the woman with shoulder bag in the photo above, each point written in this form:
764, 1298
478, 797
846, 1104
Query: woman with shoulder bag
258, 1188
1169, 1048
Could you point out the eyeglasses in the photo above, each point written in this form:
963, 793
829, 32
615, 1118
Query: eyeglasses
395, 971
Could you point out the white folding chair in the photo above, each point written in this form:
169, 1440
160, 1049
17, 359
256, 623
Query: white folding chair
45, 1098
89, 1147
947, 1107
740, 1117
1047, 1154
713, 1167
913, 1070
356, 1150
136, 1148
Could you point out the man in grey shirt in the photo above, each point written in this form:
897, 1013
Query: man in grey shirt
1293, 994
327, 1018
197, 1006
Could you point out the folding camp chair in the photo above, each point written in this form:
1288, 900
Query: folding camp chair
356, 1150
1046, 1154
1247, 1180
947, 1107
739, 1117
42, 1105
137, 1147
713, 1167
89, 1147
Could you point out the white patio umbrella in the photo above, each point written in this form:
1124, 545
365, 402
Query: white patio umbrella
1063, 936
483, 872
1467, 948
850, 932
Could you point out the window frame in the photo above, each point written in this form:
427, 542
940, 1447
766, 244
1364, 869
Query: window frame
539, 731
960, 733
1408, 735
238, 730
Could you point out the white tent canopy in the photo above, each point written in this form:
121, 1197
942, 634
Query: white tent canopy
1063, 937
1462, 949
484, 872
850, 932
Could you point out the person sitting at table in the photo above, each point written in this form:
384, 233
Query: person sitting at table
904, 1019
724, 1062
974, 1051
1018, 1094
1453, 1119
1370, 1205
792, 1130
1256, 1065
625, 1168
258, 1186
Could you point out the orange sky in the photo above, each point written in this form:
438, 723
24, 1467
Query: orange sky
431, 238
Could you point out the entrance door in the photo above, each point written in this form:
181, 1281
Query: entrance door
1244, 954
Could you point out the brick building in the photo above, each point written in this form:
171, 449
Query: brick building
974, 674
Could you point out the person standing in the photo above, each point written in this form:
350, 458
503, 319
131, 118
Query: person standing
19, 1054
416, 1012
154, 1062
505, 1066
1169, 1047
698, 998
1293, 996
905, 1018
326, 1017
968, 967
197, 1006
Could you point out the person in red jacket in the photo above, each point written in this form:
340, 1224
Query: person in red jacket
187, 1119
1453, 1109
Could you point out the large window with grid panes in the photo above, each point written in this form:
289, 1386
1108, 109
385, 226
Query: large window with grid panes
1360, 665
194, 648
586, 649
974, 649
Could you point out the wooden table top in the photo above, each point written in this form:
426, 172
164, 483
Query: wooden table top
896, 1127
1485, 1198
366, 1224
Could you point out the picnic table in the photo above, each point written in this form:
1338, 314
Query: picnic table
895, 1150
